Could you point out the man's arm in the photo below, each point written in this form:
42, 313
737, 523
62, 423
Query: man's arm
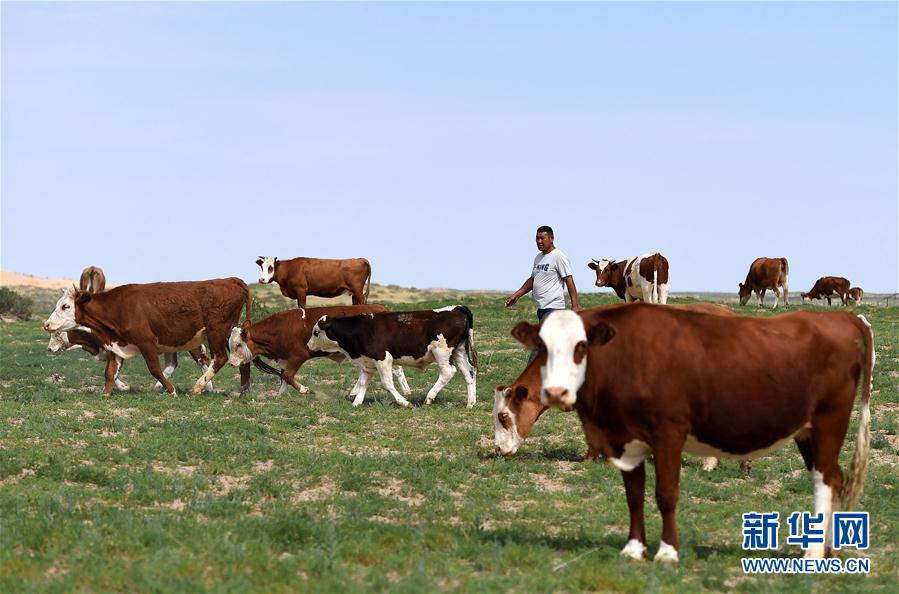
524, 290
572, 291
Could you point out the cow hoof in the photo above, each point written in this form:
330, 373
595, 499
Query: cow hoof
666, 554
634, 549
429, 401
470, 405
208, 388
304, 389
404, 403
159, 387
814, 551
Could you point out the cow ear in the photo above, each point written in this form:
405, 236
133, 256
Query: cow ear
82, 297
243, 334
259, 261
741, 285
592, 265
520, 393
526, 333
601, 333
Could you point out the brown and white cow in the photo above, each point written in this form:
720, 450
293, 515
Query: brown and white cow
378, 341
67, 340
517, 407
644, 277
764, 274
300, 277
152, 318
828, 287
732, 387
282, 337
92, 280
857, 294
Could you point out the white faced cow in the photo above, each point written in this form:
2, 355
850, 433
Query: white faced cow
644, 277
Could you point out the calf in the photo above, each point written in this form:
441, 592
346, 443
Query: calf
379, 341
856, 294
300, 277
63, 340
644, 277
92, 280
734, 386
764, 274
282, 337
160, 317
517, 407
827, 287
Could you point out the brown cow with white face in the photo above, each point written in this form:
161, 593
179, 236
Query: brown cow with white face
644, 277
92, 280
856, 294
160, 317
517, 407
300, 277
282, 337
764, 274
828, 287
734, 387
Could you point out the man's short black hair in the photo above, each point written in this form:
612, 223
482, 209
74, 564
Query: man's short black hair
546, 229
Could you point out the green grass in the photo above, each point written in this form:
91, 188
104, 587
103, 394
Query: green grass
144, 492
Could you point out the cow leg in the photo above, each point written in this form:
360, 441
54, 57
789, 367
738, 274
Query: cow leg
357, 386
111, 375
301, 299
776, 296
171, 364
358, 298
667, 453
385, 372
828, 429
786, 288
151, 356
288, 377
244, 378
217, 363
460, 360
762, 297
646, 289
400, 376
663, 293
635, 489
199, 356
447, 371
362, 383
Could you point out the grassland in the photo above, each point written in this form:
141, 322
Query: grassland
144, 492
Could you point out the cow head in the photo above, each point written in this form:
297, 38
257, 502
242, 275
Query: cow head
319, 339
516, 409
59, 341
239, 348
603, 269
63, 316
268, 266
805, 297
745, 293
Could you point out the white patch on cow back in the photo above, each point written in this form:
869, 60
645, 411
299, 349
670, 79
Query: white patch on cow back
268, 269
635, 452
666, 554
507, 440
560, 332
447, 308
634, 549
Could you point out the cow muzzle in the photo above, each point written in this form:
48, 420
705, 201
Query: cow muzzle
557, 397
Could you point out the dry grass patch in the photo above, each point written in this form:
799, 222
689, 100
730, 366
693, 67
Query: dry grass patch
394, 490
325, 489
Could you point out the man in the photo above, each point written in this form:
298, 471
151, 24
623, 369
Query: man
550, 272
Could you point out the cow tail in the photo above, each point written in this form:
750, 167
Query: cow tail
367, 282
854, 485
469, 340
265, 367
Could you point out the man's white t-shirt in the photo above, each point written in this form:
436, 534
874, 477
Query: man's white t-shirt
548, 272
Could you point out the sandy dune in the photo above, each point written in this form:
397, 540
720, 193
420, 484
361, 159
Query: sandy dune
9, 278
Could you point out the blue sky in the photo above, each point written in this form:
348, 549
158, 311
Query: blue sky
175, 141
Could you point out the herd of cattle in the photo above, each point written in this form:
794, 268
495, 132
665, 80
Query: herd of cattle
644, 380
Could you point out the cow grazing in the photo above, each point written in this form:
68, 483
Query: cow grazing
379, 341
732, 387
517, 407
828, 287
856, 294
644, 277
300, 277
92, 280
764, 274
160, 317
67, 340
282, 337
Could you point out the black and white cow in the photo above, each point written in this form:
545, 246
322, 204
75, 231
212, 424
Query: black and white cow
378, 341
